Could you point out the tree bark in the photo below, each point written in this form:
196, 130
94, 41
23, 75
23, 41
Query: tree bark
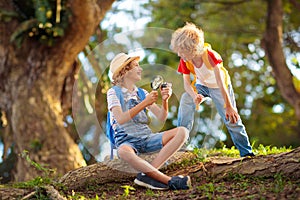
272, 43
287, 164
32, 85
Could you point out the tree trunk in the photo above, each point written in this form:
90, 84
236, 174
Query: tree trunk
33, 84
272, 43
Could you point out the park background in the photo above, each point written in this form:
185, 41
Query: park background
267, 94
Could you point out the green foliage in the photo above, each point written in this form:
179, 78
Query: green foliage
229, 152
75, 196
279, 183
241, 29
43, 20
266, 150
151, 193
37, 182
46, 171
96, 198
127, 190
22, 29
209, 189
36, 145
203, 153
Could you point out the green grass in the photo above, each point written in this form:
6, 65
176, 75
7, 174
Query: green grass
233, 152
37, 182
267, 150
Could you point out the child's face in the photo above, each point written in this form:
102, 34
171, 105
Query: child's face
136, 71
185, 55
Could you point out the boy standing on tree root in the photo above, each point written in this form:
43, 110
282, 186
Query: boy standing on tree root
211, 79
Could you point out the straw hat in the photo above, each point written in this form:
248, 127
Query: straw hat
119, 62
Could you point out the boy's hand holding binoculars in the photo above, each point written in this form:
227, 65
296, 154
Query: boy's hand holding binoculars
151, 97
166, 91
165, 88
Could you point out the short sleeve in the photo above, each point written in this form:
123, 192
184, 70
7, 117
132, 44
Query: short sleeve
112, 99
182, 67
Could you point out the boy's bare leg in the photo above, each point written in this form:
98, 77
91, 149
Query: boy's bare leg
127, 154
172, 141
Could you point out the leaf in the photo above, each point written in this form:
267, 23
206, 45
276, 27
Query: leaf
42, 10
127, 189
23, 28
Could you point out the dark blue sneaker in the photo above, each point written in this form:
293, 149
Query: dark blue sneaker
148, 182
180, 183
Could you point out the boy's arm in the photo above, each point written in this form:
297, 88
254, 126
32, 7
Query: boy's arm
185, 71
187, 85
231, 113
189, 89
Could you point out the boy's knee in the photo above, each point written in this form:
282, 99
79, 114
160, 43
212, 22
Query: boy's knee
121, 153
124, 151
184, 132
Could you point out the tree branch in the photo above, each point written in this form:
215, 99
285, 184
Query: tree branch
272, 43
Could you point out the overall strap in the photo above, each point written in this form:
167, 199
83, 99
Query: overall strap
110, 134
119, 94
141, 94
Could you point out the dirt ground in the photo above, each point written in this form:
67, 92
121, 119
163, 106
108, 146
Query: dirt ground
234, 188
231, 187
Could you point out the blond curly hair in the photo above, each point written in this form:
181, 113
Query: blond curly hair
188, 38
119, 77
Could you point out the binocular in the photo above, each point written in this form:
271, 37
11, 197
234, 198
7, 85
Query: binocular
158, 82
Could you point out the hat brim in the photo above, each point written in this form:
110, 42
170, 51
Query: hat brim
124, 64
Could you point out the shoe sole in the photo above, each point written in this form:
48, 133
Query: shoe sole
140, 183
189, 182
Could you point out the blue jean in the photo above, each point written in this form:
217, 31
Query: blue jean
237, 130
141, 144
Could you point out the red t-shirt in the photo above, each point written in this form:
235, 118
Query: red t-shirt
214, 58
